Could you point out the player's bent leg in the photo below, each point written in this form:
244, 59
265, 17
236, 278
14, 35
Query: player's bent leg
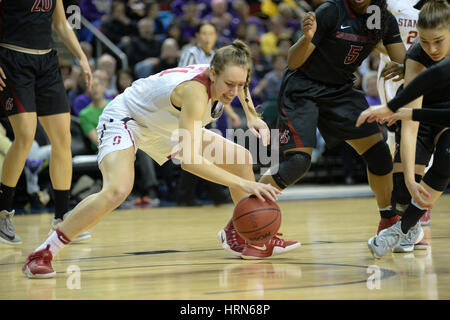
377, 155
118, 176
293, 166
238, 160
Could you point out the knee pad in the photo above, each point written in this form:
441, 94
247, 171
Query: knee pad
438, 176
292, 168
379, 159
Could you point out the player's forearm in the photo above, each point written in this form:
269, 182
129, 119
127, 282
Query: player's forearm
408, 149
69, 39
205, 169
299, 53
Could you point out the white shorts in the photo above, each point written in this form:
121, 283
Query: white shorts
118, 131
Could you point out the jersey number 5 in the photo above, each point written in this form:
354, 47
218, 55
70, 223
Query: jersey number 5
353, 54
42, 6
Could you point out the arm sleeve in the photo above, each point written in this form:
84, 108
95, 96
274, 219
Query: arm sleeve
392, 31
433, 116
437, 75
327, 16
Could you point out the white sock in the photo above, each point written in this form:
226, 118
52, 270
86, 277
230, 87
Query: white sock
389, 207
57, 241
416, 205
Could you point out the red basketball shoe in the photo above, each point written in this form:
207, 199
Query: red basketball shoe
230, 239
270, 248
425, 218
387, 222
39, 265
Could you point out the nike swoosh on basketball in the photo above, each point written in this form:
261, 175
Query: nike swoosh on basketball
263, 248
344, 27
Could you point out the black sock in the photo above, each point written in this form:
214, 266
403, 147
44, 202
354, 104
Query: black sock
6, 197
61, 203
411, 216
387, 212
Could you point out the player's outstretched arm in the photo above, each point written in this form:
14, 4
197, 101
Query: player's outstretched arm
69, 38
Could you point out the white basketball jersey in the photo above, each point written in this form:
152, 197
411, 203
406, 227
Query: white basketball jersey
406, 16
149, 115
147, 99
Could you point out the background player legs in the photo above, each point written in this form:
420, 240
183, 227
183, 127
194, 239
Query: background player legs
381, 185
267, 178
18, 152
118, 179
57, 127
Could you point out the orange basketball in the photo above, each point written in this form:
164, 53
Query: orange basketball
256, 220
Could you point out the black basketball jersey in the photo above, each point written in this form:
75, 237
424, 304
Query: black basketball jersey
342, 42
440, 93
27, 23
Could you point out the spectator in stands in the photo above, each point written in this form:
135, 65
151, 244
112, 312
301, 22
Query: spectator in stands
170, 55
109, 64
189, 20
124, 79
261, 64
94, 11
269, 40
221, 18
268, 89
84, 99
118, 27
144, 50
243, 17
89, 116
152, 12
174, 31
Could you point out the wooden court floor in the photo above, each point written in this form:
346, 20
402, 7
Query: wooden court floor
174, 254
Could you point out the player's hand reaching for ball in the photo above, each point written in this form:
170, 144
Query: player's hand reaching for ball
261, 190
309, 25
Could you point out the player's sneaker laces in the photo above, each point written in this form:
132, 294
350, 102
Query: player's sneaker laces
7, 232
230, 239
39, 265
387, 222
82, 236
270, 248
414, 236
386, 240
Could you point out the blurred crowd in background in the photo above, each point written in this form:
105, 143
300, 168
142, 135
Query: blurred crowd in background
157, 35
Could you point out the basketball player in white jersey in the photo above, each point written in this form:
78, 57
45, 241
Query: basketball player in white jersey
406, 13
406, 16
146, 116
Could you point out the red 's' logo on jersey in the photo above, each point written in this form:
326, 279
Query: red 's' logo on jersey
116, 140
284, 137
9, 104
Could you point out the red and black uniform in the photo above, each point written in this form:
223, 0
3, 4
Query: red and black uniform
437, 97
33, 81
320, 94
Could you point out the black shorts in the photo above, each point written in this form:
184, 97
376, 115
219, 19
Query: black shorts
305, 105
425, 143
33, 84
